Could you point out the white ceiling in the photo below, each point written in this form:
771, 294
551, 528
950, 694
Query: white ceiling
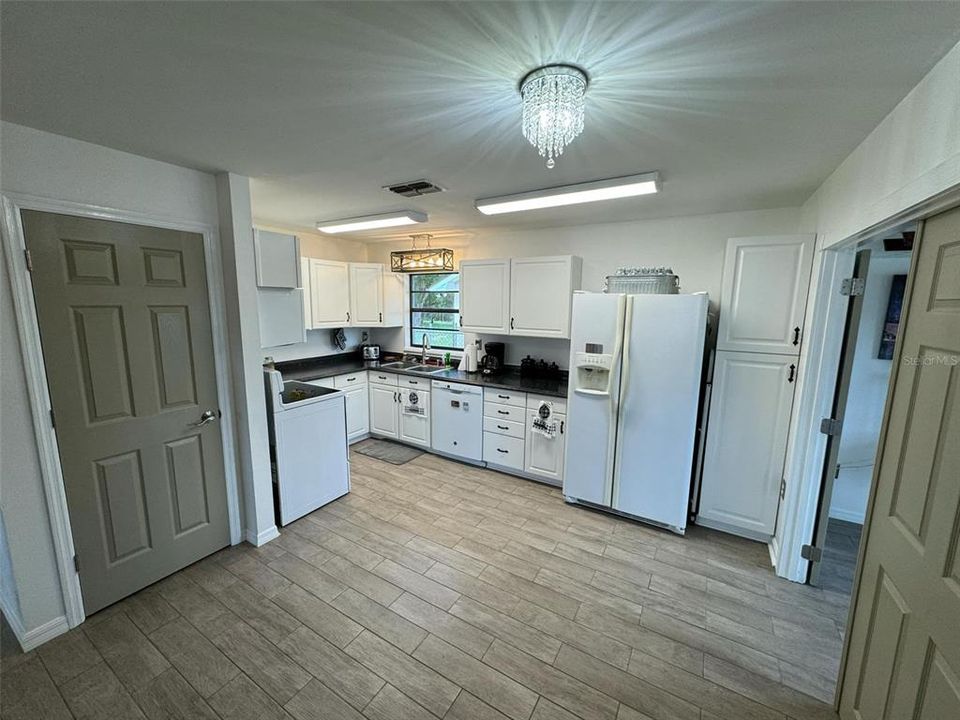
738, 105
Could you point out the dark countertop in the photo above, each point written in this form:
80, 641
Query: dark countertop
330, 365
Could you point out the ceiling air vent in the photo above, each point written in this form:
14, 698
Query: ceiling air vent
414, 188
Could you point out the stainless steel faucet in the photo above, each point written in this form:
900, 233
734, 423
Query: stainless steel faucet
424, 346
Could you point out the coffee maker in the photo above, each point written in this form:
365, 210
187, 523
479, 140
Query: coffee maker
493, 362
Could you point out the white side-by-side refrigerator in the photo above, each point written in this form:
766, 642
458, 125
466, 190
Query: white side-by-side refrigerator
635, 367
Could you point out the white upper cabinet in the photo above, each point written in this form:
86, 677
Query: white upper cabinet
485, 296
329, 293
519, 296
277, 259
307, 296
764, 295
366, 294
541, 293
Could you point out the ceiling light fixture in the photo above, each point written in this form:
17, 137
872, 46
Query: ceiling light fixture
621, 187
425, 259
552, 98
372, 222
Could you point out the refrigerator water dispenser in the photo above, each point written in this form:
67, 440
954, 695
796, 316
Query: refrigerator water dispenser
593, 368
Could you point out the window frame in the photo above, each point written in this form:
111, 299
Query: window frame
411, 309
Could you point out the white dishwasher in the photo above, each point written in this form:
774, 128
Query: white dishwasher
457, 420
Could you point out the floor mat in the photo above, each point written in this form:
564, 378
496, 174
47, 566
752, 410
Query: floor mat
391, 452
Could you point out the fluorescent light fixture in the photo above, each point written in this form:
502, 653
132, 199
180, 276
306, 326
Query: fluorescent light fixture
621, 187
372, 222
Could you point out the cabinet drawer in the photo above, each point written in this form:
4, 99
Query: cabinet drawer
382, 378
503, 450
559, 404
504, 412
504, 397
407, 381
503, 427
342, 382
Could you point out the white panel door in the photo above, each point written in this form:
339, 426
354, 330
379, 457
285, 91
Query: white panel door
329, 293
746, 442
358, 412
278, 259
366, 294
384, 411
307, 295
764, 294
543, 456
541, 291
485, 296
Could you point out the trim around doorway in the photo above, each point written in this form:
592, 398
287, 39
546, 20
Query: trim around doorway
29, 331
806, 451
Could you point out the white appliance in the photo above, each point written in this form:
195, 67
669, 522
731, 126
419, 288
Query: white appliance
457, 420
636, 362
308, 445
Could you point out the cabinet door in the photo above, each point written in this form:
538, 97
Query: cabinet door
281, 314
307, 295
485, 296
277, 259
384, 411
329, 293
541, 293
746, 442
415, 429
366, 294
543, 456
358, 413
764, 293
393, 291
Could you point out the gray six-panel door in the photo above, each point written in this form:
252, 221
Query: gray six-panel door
125, 327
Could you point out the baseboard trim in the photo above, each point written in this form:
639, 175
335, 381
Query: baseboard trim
854, 517
263, 537
46, 632
732, 530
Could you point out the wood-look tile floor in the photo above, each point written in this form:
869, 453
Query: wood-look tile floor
437, 590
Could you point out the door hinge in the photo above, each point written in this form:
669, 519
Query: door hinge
28, 258
852, 286
830, 426
76, 563
783, 488
53, 419
811, 552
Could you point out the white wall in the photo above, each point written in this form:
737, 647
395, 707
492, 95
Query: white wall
867, 395
693, 246
912, 155
41, 164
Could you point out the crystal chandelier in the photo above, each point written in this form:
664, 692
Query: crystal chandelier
553, 108
425, 259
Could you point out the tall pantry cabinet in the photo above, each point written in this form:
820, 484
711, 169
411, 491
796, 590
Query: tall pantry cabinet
762, 304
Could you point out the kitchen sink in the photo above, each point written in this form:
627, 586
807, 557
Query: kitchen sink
414, 367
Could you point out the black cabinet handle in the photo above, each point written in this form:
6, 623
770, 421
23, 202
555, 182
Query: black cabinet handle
348, 316
511, 323
501, 450
793, 370
503, 412
414, 382
503, 427
561, 427
796, 336
351, 379
505, 397
461, 321
381, 317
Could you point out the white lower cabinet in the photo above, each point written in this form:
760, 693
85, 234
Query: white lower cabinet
503, 450
544, 456
384, 411
354, 386
746, 442
415, 416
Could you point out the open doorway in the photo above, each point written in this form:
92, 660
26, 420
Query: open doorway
876, 298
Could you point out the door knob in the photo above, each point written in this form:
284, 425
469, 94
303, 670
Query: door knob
206, 417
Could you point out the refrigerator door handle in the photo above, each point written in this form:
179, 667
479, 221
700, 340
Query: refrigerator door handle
624, 385
612, 444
